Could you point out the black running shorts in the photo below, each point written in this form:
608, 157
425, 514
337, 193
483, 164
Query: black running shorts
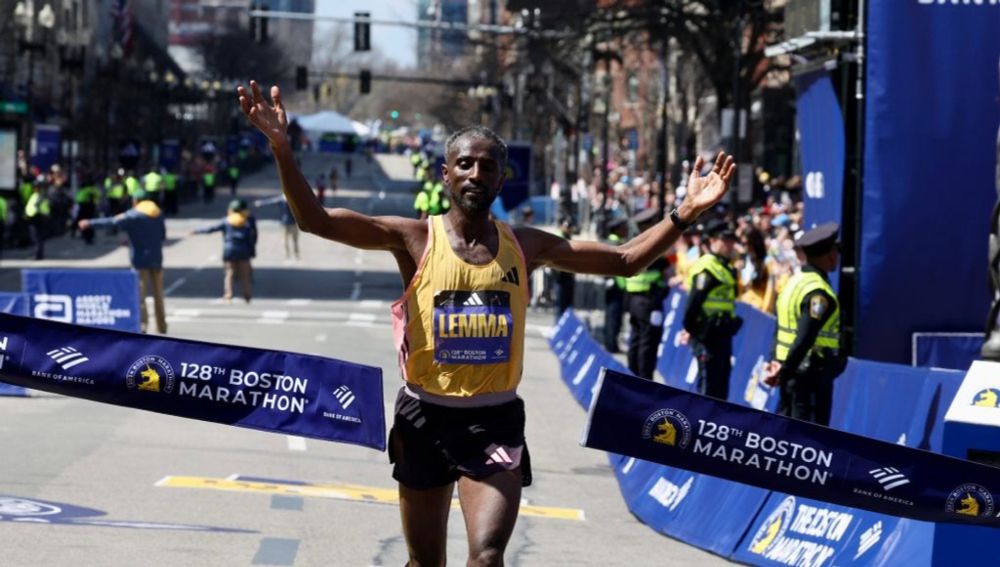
432, 445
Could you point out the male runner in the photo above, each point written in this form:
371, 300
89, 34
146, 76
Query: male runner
459, 326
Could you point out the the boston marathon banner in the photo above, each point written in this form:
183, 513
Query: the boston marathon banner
254, 388
665, 425
97, 298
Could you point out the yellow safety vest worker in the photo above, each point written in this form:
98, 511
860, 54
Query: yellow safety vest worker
37, 205
26, 189
114, 190
131, 184
169, 181
645, 281
789, 309
721, 299
152, 182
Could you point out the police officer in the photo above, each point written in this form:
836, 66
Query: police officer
807, 353
709, 318
614, 290
644, 295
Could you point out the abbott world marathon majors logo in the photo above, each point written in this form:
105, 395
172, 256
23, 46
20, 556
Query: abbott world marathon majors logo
799, 534
668, 427
970, 499
151, 373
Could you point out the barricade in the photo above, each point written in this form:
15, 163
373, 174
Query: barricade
890, 402
946, 350
15, 304
97, 298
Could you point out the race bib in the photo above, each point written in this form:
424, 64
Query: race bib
472, 327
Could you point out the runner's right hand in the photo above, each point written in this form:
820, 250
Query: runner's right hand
270, 119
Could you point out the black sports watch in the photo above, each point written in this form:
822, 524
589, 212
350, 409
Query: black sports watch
675, 217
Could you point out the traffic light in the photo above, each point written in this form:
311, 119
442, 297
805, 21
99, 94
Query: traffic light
301, 78
258, 24
362, 31
366, 81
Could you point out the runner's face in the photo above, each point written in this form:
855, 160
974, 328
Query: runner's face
473, 174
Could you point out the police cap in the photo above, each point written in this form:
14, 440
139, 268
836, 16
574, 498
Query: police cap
718, 228
617, 223
818, 240
645, 216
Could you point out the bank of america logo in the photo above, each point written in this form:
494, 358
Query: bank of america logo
345, 396
889, 477
474, 299
67, 357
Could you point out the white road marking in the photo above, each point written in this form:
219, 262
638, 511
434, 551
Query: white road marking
372, 303
321, 338
356, 292
296, 443
298, 302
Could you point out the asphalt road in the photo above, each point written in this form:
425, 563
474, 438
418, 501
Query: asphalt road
83, 483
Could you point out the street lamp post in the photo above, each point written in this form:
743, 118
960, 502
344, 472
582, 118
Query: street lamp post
25, 20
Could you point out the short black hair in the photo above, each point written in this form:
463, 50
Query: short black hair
477, 132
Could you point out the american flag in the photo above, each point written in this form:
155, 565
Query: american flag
121, 24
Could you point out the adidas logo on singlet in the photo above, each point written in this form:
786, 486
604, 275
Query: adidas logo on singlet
474, 299
511, 276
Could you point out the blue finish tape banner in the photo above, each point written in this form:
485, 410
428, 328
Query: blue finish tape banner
254, 388
666, 425
931, 118
97, 298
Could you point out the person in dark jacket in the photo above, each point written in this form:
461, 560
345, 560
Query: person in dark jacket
239, 246
146, 232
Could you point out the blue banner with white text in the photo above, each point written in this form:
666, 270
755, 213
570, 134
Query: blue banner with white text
97, 298
289, 393
665, 425
931, 116
821, 131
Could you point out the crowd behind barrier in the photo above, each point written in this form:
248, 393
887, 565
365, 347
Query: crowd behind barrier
890, 402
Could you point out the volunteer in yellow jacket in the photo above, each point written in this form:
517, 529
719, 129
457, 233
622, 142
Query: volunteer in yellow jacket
459, 326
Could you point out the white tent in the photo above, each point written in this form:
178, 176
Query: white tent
330, 122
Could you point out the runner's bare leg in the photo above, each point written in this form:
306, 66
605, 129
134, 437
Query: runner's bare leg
490, 507
425, 523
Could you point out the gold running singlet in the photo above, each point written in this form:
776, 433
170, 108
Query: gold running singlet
459, 327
